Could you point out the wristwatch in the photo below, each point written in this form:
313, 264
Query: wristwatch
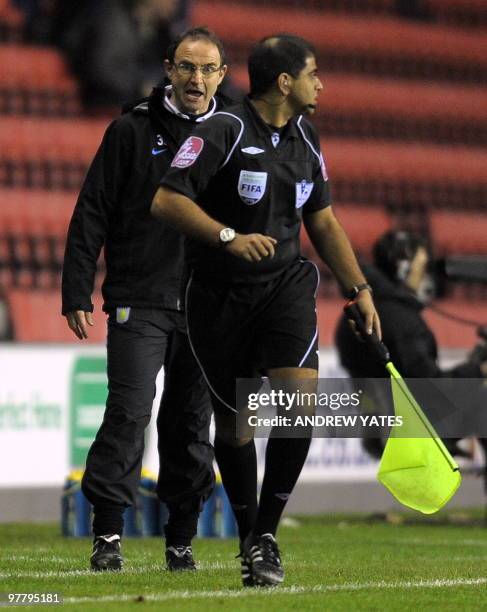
227, 234
356, 289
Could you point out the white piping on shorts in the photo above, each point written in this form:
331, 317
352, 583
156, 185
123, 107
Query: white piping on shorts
194, 351
239, 136
318, 276
315, 293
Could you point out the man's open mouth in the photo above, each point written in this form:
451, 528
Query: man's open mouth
195, 94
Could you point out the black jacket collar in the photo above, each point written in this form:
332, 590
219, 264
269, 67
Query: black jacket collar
290, 130
385, 289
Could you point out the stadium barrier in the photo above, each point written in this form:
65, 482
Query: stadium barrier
149, 516
216, 519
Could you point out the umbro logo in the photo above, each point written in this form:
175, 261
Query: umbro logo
252, 150
283, 496
158, 151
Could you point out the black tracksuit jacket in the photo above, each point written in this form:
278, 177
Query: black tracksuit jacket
144, 257
413, 347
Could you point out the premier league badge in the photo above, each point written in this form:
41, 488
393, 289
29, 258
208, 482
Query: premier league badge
251, 186
303, 191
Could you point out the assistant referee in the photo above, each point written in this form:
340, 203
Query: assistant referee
239, 188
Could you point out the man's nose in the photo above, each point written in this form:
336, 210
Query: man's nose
197, 75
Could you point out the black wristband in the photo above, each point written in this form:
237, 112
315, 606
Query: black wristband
356, 289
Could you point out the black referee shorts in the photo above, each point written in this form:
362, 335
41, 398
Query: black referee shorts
242, 331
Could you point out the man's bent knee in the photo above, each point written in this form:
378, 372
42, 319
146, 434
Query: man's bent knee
226, 431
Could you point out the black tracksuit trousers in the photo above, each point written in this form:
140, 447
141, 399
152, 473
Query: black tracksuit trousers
136, 350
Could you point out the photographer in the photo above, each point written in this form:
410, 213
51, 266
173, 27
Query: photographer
402, 286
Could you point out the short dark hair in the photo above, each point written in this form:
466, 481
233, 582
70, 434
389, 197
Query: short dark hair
274, 55
199, 33
394, 251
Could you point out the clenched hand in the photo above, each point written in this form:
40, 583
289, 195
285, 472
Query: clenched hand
252, 247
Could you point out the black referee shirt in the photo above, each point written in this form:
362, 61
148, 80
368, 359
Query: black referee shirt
231, 168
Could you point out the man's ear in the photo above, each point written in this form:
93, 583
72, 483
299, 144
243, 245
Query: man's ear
284, 83
168, 67
222, 74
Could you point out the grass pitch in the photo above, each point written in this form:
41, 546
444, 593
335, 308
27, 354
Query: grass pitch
332, 563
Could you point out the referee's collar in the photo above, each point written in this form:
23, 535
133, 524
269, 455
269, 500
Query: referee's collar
290, 129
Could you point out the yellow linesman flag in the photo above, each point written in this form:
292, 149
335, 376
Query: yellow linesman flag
418, 471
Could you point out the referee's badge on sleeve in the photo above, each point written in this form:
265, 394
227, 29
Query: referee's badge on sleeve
251, 186
303, 191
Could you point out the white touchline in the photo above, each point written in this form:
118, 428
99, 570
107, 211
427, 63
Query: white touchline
425, 542
37, 559
293, 590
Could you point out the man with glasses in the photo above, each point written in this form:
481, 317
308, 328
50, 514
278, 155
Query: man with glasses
142, 294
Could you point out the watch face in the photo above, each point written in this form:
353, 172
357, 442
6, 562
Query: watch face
227, 234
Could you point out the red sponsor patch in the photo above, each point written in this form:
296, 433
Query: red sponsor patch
188, 153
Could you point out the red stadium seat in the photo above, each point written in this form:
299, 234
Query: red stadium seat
390, 100
407, 174
11, 21
451, 334
459, 11
454, 12
384, 41
36, 80
363, 225
47, 153
50, 139
36, 212
33, 66
459, 233
405, 162
37, 317
458, 5
351, 6
33, 227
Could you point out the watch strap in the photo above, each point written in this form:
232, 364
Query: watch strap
356, 289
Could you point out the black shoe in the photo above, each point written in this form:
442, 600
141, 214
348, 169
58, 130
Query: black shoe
245, 573
106, 553
262, 554
180, 559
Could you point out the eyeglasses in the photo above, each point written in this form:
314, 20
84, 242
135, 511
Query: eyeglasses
187, 68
